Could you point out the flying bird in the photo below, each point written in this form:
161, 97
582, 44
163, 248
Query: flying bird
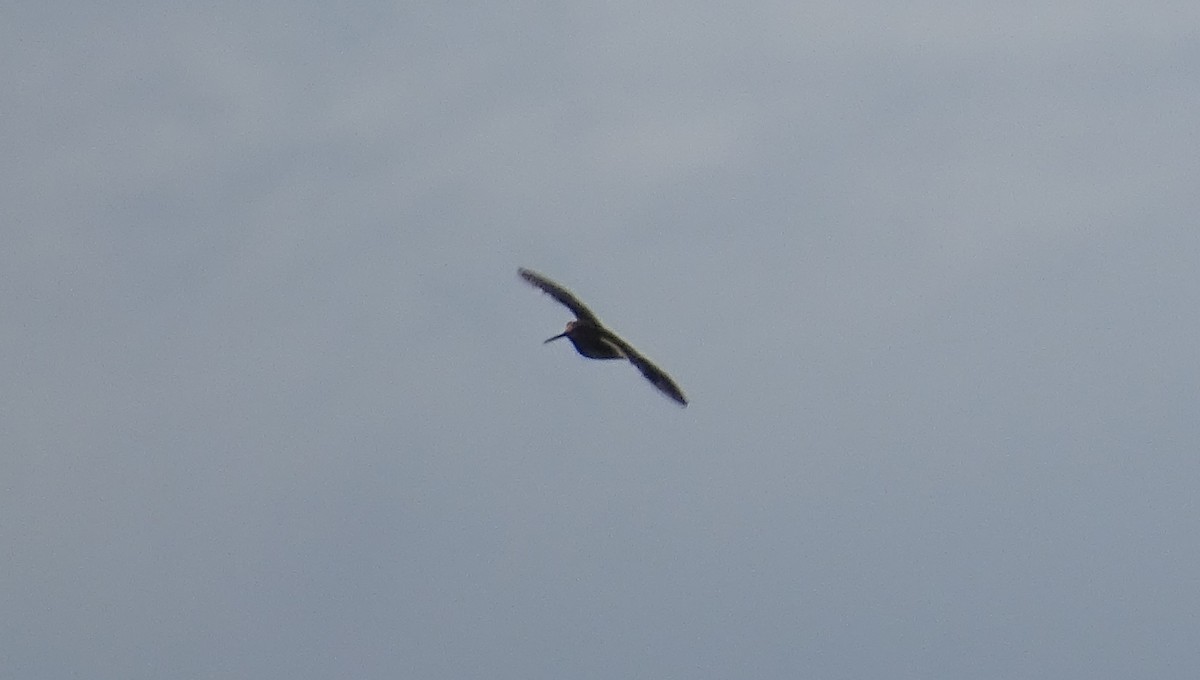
594, 341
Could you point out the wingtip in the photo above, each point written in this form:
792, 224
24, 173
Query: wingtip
531, 277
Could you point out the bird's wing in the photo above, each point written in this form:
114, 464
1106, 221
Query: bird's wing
654, 374
559, 293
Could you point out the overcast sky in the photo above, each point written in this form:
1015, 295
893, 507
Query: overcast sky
275, 403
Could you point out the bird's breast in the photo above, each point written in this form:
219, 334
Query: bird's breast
596, 347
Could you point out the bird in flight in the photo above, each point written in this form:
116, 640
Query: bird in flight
594, 341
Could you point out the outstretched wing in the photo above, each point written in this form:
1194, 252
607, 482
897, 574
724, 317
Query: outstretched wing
654, 374
559, 293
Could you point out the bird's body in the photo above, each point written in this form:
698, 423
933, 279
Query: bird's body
592, 340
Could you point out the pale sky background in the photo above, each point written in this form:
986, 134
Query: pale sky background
275, 404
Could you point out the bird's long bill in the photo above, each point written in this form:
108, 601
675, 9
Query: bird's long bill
560, 335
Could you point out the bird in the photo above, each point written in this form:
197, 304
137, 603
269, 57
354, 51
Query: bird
594, 341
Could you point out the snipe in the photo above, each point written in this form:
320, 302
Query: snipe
594, 341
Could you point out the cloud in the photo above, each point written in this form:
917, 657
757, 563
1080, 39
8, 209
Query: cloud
277, 406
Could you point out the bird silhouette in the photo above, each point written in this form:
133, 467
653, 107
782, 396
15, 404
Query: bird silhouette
594, 341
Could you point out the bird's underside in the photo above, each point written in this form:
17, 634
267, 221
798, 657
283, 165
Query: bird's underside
591, 339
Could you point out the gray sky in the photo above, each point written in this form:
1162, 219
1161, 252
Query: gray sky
275, 403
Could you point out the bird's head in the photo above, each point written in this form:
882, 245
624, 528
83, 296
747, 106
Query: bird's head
570, 327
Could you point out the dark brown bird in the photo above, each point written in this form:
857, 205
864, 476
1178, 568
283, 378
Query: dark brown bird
594, 341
